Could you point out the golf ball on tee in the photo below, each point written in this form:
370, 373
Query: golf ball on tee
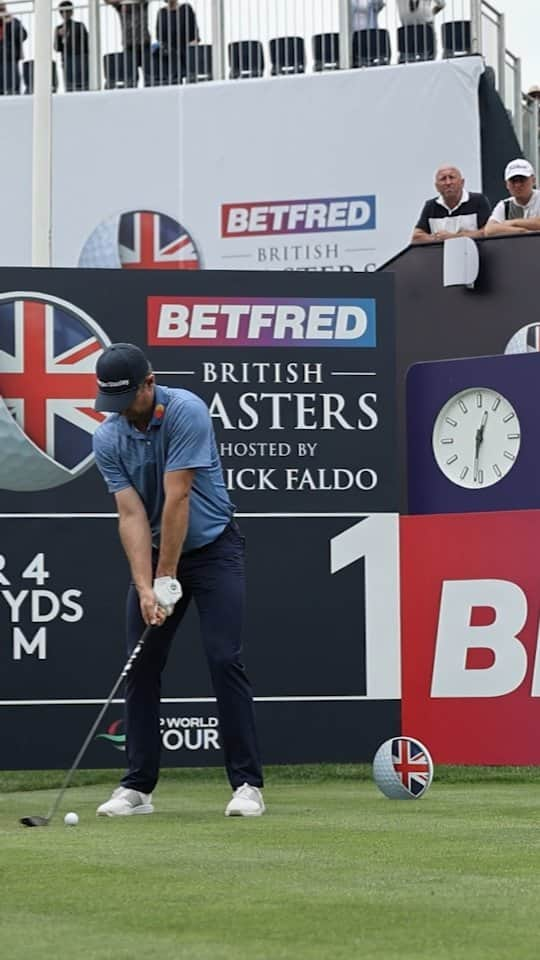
71, 819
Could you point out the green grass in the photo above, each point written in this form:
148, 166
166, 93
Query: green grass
332, 871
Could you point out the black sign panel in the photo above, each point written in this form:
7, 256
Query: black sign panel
306, 645
298, 373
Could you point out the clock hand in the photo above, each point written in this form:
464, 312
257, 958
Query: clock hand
478, 439
482, 427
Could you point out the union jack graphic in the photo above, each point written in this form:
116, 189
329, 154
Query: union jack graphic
153, 241
47, 379
411, 765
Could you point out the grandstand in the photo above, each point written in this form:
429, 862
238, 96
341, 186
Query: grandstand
302, 58
322, 32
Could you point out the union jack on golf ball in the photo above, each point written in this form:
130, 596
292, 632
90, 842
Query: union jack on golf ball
403, 768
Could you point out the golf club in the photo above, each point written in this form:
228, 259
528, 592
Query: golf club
44, 821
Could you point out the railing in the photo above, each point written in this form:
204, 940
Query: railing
531, 129
128, 43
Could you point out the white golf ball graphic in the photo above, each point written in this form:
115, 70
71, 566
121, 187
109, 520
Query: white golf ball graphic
71, 819
403, 769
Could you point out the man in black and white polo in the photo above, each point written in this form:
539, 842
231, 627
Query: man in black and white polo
520, 212
454, 212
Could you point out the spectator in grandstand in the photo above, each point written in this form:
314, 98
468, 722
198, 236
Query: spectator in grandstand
520, 212
454, 212
71, 42
419, 11
136, 39
364, 14
176, 29
12, 37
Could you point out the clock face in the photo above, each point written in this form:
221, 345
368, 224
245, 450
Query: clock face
476, 438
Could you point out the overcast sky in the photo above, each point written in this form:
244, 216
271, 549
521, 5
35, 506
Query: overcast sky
523, 35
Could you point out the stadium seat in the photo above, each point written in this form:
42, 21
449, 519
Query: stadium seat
113, 68
246, 59
325, 51
28, 76
416, 42
371, 48
199, 63
456, 38
287, 55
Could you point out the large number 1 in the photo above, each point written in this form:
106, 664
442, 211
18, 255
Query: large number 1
377, 539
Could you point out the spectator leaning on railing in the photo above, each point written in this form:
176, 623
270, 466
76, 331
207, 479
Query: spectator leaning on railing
454, 212
520, 212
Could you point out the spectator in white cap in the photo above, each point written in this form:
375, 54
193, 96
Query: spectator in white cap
520, 212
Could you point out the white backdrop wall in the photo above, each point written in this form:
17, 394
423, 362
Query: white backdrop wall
377, 133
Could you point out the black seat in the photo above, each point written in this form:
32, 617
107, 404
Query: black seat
198, 63
371, 48
456, 38
28, 76
325, 51
288, 55
113, 68
246, 59
416, 42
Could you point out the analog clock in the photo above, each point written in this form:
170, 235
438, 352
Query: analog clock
473, 448
476, 437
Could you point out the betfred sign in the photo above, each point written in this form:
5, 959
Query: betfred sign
260, 322
470, 604
278, 217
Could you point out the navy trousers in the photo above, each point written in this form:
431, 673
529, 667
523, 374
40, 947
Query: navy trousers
214, 576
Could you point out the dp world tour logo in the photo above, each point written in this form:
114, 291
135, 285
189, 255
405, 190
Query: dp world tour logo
48, 353
114, 736
141, 240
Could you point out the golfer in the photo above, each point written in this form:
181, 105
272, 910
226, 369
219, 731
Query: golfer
158, 456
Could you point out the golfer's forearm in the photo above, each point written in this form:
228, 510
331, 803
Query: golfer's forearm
174, 525
136, 538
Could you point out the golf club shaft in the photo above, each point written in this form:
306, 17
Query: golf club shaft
129, 664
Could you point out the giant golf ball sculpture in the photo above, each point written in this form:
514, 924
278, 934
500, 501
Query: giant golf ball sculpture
403, 769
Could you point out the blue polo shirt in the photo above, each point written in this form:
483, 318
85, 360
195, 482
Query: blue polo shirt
180, 436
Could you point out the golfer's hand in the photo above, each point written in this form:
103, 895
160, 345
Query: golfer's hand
167, 592
152, 614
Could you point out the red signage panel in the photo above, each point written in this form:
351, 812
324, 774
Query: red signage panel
470, 601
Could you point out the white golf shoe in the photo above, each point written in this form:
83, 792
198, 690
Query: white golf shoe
124, 802
246, 801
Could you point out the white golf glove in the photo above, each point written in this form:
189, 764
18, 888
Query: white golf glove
167, 592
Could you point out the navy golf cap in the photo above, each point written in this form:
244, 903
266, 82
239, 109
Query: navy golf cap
120, 371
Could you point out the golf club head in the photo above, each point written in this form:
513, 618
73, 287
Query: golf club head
34, 821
